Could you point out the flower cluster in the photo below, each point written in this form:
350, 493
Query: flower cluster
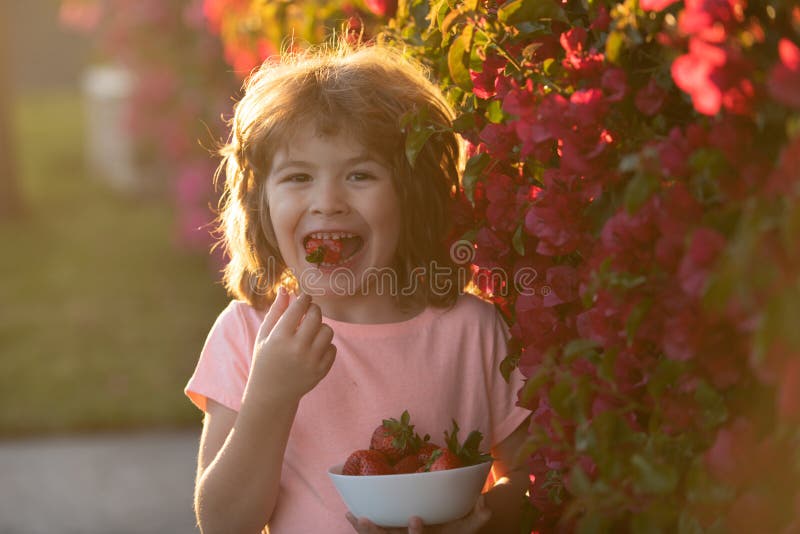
642, 157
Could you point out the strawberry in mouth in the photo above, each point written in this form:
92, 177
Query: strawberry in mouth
328, 249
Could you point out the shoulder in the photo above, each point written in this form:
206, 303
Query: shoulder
238, 314
472, 306
472, 311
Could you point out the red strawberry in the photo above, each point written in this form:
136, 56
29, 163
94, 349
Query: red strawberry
408, 464
425, 451
395, 439
443, 459
323, 250
367, 462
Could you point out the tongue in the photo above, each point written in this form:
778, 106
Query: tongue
350, 245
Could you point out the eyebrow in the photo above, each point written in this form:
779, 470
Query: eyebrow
355, 160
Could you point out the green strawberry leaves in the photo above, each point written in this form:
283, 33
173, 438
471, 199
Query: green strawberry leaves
317, 256
469, 452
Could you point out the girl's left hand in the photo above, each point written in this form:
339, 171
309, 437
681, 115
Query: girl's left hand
469, 524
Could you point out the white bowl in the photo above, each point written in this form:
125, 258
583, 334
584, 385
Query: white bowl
391, 500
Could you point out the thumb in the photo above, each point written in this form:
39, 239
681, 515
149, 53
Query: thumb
276, 309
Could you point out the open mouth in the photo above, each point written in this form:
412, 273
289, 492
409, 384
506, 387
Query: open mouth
330, 249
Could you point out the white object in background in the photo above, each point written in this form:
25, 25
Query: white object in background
109, 144
390, 500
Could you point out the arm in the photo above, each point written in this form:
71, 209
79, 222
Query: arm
504, 499
241, 455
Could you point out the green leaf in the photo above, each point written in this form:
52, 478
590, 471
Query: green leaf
561, 398
712, 404
653, 477
508, 365
578, 348
635, 319
521, 11
579, 482
458, 59
464, 122
614, 46
494, 112
518, 240
638, 190
472, 172
415, 140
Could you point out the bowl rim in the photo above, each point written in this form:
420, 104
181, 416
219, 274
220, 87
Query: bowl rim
332, 471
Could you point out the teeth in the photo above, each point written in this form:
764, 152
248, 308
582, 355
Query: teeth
331, 235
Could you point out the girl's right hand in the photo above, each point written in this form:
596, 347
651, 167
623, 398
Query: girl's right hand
292, 351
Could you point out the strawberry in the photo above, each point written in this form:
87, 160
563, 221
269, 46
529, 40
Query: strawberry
367, 462
395, 439
425, 451
323, 250
443, 459
407, 464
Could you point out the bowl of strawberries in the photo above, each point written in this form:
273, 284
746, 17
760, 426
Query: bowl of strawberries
402, 475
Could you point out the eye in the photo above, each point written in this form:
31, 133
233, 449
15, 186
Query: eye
360, 177
296, 178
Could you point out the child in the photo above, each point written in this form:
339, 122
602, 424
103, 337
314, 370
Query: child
319, 193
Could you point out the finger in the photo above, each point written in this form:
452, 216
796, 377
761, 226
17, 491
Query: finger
363, 525
287, 324
326, 362
479, 516
275, 311
353, 521
309, 325
415, 525
322, 339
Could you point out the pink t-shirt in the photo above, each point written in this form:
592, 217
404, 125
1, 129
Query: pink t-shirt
440, 365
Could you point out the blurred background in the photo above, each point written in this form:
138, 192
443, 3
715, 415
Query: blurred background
109, 113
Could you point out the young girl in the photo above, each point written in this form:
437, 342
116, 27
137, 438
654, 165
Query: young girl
320, 194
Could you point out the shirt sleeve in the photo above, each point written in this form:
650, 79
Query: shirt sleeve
223, 367
505, 414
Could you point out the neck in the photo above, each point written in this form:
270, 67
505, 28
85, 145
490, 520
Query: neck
364, 309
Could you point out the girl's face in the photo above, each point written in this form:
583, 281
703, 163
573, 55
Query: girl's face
330, 191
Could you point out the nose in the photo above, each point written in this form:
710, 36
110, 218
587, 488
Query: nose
329, 198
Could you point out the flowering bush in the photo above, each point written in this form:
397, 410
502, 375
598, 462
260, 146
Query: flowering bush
643, 158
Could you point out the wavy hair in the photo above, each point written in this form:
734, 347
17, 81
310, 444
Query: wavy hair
368, 93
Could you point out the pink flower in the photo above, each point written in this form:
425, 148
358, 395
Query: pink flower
502, 210
382, 8
784, 80
730, 458
484, 83
216, 10
499, 139
562, 281
715, 77
699, 260
711, 20
615, 83
650, 98
655, 5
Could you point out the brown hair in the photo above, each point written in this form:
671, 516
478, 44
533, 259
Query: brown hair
369, 93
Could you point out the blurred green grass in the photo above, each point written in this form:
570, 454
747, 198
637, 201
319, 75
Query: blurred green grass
101, 315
